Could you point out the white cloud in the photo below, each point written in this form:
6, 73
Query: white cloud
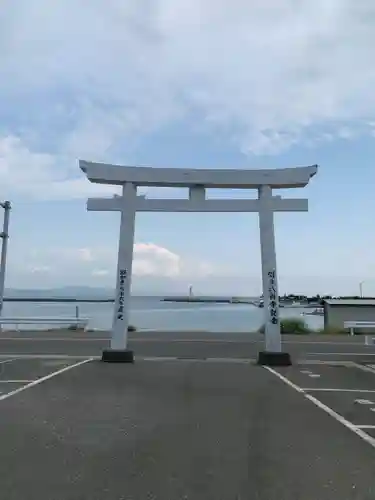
40, 269
85, 254
100, 273
80, 265
41, 175
96, 76
150, 259
154, 260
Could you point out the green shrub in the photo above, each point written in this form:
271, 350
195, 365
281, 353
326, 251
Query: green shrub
131, 328
333, 330
291, 325
294, 325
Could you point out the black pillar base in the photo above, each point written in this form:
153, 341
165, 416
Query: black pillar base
274, 358
118, 356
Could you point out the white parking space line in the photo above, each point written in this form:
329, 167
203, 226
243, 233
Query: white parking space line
230, 360
366, 426
104, 339
354, 428
9, 360
339, 353
364, 368
310, 373
357, 344
325, 362
43, 379
198, 360
16, 381
54, 339
15, 357
329, 389
156, 358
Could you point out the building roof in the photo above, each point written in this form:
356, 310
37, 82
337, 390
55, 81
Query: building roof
351, 302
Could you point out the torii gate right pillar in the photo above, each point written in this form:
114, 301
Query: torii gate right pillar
273, 354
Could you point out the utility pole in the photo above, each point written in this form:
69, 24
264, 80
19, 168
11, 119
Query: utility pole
4, 248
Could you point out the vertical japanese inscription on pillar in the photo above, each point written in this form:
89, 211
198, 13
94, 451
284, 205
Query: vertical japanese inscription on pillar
121, 297
273, 297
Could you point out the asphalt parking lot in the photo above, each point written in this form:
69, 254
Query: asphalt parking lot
346, 388
204, 427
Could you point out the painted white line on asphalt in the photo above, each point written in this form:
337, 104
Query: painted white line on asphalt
324, 362
310, 373
155, 358
230, 360
372, 409
339, 353
285, 380
319, 343
198, 360
359, 432
54, 339
234, 341
363, 402
101, 339
9, 360
173, 340
366, 426
364, 368
44, 356
168, 358
328, 389
43, 379
144, 358
16, 381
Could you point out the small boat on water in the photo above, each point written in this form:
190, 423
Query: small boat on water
319, 311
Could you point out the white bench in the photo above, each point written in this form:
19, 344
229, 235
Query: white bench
351, 325
45, 320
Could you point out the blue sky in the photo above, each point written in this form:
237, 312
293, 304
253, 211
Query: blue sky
238, 85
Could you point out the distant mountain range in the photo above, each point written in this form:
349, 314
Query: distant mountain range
69, 291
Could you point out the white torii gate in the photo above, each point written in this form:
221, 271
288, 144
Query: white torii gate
197, 180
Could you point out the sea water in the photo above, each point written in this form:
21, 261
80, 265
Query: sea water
151, 313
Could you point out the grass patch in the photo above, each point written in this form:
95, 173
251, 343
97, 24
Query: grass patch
332, 330
76, 328
298, 326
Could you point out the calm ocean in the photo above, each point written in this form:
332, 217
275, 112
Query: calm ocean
151, 313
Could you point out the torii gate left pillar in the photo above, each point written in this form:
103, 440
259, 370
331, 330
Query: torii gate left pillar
123, 277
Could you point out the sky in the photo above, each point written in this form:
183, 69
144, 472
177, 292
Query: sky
193, 83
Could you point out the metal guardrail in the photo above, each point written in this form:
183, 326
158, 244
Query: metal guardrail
351, 325
44, 320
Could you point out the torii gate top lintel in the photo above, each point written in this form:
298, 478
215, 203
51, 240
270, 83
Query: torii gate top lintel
284, 178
